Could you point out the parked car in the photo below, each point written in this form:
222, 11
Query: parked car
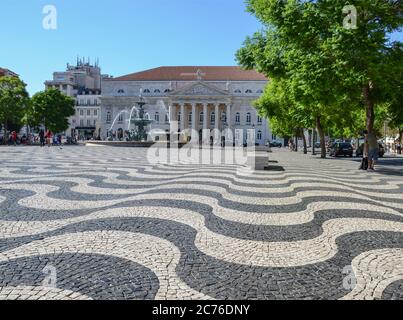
276, 144
360, 149
341, 149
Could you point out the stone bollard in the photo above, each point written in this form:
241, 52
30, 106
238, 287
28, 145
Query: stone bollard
258, 158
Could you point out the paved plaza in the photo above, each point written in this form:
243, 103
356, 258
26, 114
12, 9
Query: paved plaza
104, 223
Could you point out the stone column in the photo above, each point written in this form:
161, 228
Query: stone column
230, 134
182, 122
205, 116
229, 116
194, 134
206, 130
217, 134
182, 126
171, 113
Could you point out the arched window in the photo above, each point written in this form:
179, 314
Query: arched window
157, 117
167, 90
259, 91
259, 135
238, 118
190, 116
212, 118
248, 91
259, 120
157, 91
179, 116
108, 117
238, 91
147, 91
120, 91
248, 118
201, 117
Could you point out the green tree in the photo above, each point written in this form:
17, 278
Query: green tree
329, 68
287, 117
52, 109
14, 100
395, 112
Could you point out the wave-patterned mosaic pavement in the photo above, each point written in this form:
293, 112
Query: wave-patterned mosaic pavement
115, 227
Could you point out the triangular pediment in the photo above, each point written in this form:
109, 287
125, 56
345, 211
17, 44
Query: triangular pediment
200, 89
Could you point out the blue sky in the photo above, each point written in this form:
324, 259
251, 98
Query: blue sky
126, 35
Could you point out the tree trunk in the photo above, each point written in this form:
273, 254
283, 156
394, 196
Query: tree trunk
296, 142
313, 142
369, 106
5, 129
322, 138
304, 140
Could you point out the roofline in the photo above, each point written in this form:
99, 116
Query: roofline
117, 80
185, 66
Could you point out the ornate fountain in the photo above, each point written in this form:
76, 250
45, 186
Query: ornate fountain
140, 122
136, 134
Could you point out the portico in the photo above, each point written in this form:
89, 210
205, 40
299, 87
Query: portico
202, 113
200, 117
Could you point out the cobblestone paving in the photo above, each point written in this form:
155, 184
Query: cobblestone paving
103, 223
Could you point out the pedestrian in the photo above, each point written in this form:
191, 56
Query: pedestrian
48, 136
399, 148
364, 161
291, 145
59, 141
14, 138
373, 149
42, 138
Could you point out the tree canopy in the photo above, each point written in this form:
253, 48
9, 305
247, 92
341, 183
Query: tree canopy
331, 70
14, 100
52, 109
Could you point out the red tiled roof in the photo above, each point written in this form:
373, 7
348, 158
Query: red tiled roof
189, 74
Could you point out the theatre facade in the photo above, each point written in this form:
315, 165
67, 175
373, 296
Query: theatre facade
205, 105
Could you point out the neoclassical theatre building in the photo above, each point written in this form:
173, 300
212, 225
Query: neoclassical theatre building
201, 101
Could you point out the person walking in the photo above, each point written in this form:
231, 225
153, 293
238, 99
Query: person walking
373, 149
364, 162
48, 136
42, 138
14, 138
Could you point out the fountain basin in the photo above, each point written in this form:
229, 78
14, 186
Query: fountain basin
127, 144
131, 144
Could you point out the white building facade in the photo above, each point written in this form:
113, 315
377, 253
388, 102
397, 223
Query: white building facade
83, 83
208, 105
